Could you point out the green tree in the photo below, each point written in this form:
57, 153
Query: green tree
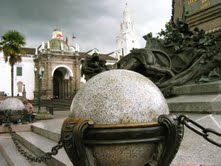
11, 44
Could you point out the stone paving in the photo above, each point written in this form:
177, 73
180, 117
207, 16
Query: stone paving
194, 150
2, 160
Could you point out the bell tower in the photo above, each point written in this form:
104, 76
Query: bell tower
127, 39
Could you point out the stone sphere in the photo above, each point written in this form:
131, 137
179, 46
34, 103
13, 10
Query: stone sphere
120, 97
15, 106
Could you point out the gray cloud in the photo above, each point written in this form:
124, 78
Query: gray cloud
95, 23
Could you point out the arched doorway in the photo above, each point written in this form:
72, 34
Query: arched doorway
57, 84
60, 83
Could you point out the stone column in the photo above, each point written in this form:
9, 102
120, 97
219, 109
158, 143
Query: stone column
49, 91
72, 86
66, 88
77, 75
36, 86
43, 81
68, 94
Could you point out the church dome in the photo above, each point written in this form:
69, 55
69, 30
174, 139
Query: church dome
57, 44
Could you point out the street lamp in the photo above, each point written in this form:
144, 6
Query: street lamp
39, 73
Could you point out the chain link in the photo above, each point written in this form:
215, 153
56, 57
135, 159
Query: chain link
199, 129
28, 156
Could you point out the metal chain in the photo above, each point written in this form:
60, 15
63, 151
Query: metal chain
183, 119
199, 129
28, 156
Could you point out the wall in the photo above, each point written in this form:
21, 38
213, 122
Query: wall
27, 77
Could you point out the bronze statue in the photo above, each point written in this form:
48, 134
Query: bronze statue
92, 65
178, 56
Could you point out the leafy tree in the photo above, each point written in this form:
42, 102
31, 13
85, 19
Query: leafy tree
11, 45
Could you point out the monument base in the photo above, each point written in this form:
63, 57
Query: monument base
196, 98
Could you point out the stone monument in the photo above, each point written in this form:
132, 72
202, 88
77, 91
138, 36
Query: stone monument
118, 103
204, 14
182, 57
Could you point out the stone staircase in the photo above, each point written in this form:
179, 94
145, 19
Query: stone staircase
35, 139
39, 137
201, 102
57, 104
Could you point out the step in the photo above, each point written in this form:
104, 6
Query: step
3, 162
210, 103
40, 145
11, 154
203, 88
15, 127
48, 129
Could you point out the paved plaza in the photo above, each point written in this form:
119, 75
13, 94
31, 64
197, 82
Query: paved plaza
194, 150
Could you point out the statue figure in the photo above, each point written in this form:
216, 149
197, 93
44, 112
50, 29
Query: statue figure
182, 56
92, 65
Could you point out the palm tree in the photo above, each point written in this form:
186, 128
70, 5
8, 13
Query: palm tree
11, 45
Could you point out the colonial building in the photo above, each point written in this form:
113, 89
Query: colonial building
60, 67
127, 39
53, 69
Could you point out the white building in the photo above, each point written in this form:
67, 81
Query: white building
57, 59
23, 76
127, 39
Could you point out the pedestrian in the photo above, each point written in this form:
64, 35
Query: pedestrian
30, 109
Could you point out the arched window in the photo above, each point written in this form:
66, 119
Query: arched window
20, 84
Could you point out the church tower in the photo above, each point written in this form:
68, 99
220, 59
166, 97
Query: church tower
127, 39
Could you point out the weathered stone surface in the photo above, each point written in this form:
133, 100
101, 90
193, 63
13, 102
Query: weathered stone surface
210, 103
203, 14
192, 89
195, 149
12, 104
120, 96
15, 107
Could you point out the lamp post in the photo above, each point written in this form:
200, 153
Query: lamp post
39, 72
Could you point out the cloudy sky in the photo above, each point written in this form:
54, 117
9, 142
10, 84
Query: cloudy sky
95, 23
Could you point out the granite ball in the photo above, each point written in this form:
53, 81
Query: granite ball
120, 97
15, 106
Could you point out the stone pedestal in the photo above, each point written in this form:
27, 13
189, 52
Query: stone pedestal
119, 97
203, 14
196, 98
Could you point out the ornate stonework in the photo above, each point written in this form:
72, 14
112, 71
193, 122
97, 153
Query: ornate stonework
204, 14
61, 77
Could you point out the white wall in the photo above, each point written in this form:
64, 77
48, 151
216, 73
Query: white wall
27, 77
5, 75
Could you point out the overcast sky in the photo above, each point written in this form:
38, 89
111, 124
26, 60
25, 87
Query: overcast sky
95, 23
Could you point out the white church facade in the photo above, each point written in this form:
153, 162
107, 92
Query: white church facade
60, 63
53, 66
